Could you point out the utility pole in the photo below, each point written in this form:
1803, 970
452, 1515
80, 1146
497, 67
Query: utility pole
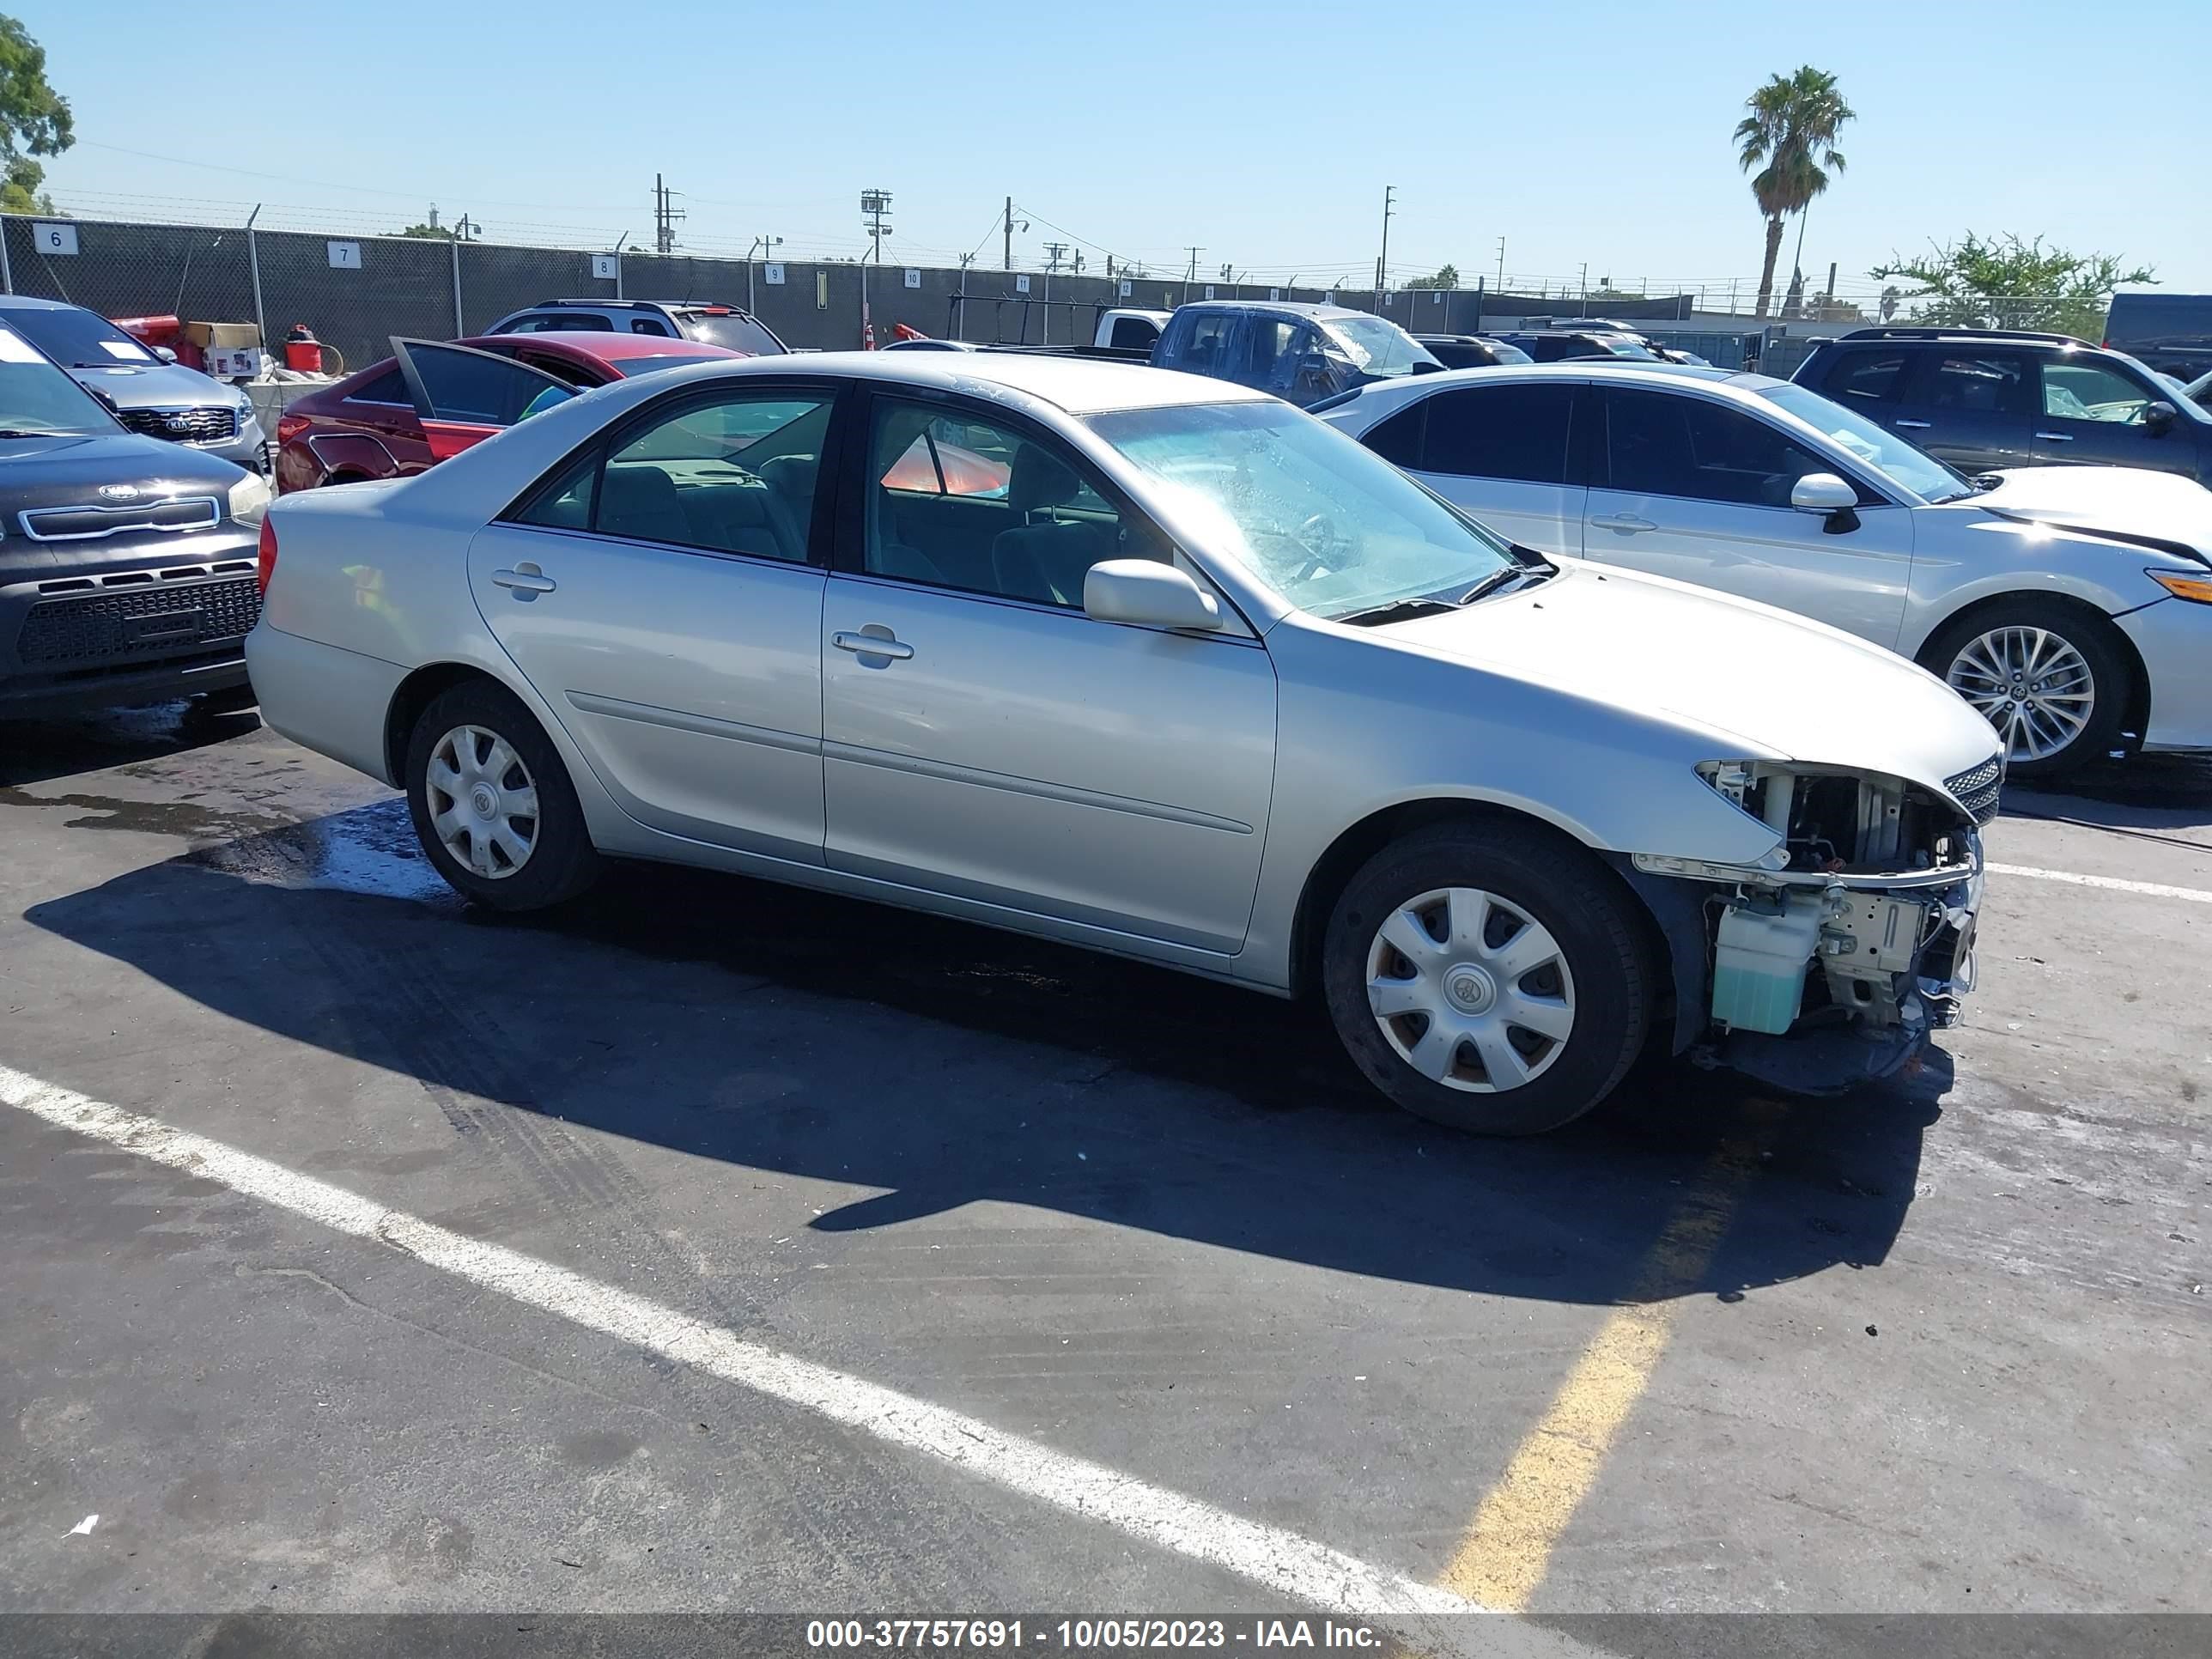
1585, 285
875, 204
767, 244
1053, 253
1501, 265
1191, 275
1010, 233
1382, 259
665, 217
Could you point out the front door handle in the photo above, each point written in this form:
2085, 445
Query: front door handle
1911, 426
873, 645
524, 581
2055, 437
1627, 522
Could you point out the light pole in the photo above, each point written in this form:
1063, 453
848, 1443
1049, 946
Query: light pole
1382, 259
764, 244
874, 204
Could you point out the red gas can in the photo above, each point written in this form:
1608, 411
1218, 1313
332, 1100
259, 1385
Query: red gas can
302, 350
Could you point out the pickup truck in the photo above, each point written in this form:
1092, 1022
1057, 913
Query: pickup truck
1127, 330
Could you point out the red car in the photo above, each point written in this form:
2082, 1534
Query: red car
435, 399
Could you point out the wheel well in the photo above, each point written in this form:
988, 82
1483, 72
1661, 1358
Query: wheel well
415, 694
1335, 868
2137, 718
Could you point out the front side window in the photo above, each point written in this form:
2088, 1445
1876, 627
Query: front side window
962, 502
1325, 522
1662, 445
1977, 383
733, 476
2090, 392
1516, 432
474, 387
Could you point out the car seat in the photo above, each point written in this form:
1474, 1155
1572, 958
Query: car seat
1047, 561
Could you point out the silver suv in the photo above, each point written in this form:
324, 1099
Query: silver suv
727, 326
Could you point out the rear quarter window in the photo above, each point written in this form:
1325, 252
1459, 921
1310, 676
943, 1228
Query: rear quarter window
1859, 376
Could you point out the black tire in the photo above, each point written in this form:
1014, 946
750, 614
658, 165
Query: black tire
560, 861
2111, 677
1552, 882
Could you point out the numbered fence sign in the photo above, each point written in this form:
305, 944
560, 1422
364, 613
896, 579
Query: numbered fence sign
1021, 284
772, 275
49, 237
1209, 290
344, 256
914, 279
1125, 290
606, 267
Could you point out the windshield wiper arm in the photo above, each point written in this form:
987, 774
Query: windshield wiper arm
17, 432
1396, 610
1497, 579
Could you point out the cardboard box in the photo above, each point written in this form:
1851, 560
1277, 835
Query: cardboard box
235, 362
207, 335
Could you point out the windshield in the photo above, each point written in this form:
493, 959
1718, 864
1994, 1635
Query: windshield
36, 398
1324, 521
1918, 470
77, 339
732, 330
1376, 344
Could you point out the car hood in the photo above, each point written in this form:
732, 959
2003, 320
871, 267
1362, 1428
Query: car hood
1778, 686
152, 385
68, 471
2129, 502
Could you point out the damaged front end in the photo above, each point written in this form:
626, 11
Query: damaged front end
1830, 961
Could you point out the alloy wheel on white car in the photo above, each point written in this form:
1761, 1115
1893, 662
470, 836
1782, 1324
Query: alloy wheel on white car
483, 801
1469, 990
2034, 685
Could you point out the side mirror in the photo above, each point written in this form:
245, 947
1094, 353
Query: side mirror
165, 354
1146, 592
2159, 417
1822, 492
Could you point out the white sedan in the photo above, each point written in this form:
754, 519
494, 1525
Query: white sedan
2071, 604
1159, 665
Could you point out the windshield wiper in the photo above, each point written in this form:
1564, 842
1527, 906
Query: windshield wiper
1497, 579
1396, 610
18, 432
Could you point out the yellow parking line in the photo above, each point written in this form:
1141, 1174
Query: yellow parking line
1509, 1544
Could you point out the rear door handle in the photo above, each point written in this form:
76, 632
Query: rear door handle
527, 579
1623, 522
873, 645
2055, 437
1911, 426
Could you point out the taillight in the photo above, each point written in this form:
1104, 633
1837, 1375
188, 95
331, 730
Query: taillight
289, 427
265, 559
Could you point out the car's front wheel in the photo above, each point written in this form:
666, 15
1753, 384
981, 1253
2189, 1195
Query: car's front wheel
1486, 976
2051, 678
492, 803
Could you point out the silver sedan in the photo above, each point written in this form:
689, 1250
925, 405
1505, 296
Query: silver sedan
1157, 666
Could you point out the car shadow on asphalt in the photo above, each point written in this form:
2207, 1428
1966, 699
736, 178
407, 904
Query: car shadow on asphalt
33, 751
2148, 793
946, 1063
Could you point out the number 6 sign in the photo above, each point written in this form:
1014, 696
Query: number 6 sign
49, 237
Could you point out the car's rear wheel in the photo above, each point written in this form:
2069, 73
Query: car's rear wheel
1486, 976
492, 803
2051, 678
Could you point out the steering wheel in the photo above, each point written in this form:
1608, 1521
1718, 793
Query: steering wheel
1321, 537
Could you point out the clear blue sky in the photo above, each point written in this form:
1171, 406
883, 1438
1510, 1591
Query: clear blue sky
1264, 133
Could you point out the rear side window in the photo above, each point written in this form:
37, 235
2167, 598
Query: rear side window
730, 330
1200, 344
1865, 377
389, 387
473, 387
1517, 432
648, 326
1398, 440
1132, 334
540, 322
1978, 383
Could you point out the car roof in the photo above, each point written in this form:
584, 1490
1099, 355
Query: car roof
602, 345
1292, 307
1077, 386
634, 305
25, 302
1604, 371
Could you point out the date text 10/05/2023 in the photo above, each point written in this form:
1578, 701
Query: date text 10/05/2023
1091, 1635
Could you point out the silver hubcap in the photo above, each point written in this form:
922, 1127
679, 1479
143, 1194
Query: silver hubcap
2031, 684
483, 803
1473, 992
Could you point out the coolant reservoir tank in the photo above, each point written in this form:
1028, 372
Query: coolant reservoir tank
1759, 960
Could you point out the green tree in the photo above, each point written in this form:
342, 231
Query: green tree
34, 121
2003, 282
1790, 136
433, 233
1447, 277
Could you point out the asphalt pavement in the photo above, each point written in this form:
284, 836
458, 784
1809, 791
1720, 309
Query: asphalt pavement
1937, 1347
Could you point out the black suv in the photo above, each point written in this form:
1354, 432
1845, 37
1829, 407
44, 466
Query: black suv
1566, 345
1471, 350
127, 564
1985, 398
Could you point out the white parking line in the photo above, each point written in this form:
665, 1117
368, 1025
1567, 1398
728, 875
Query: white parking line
2116, 884
1310, 1574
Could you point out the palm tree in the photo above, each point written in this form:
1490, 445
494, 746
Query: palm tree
1792, 129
